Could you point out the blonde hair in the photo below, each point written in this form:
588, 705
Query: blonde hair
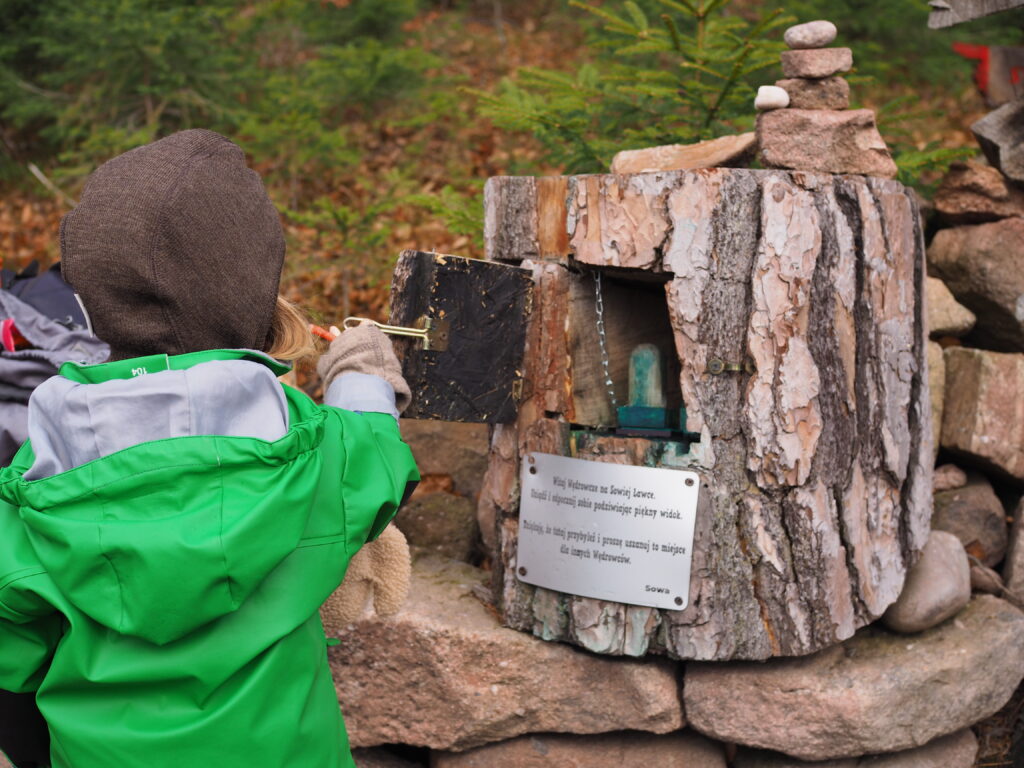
290, 337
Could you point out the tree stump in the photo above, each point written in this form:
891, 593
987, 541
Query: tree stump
790, 305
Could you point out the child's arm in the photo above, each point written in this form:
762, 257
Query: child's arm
379, 474
29, 626
363, 378
361, 373
25, 650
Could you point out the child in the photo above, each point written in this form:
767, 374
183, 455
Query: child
177, 516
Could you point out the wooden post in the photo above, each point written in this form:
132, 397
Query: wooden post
790, 304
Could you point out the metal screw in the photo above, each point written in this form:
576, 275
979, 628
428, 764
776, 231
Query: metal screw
533, 470
689, 481
522, 571
679, 601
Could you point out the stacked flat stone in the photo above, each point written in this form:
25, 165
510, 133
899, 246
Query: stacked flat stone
812, 70
805, 124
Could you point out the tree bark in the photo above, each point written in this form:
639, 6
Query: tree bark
815, 454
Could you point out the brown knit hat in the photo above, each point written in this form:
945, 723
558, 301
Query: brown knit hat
174, 248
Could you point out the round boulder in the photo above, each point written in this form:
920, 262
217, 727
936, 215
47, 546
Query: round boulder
974, 515
877, 692
937, 587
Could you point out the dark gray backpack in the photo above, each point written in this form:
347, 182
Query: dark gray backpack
45, 312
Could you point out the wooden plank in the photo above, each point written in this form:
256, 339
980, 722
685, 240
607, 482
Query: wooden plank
946, 13
478, 377
510, 219
552, 237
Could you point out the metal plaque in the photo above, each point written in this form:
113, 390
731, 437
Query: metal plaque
608, 531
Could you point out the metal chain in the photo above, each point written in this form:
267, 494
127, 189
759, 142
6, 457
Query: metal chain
602, 338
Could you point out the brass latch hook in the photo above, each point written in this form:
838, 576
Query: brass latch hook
433, 332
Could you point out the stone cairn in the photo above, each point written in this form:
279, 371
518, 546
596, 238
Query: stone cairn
456, 689
805, 124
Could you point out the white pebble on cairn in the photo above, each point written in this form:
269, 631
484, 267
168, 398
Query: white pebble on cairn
813, 34
771, 97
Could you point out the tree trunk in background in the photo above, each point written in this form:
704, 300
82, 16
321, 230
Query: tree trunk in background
816, 459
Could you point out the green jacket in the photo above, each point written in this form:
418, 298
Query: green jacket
162, 600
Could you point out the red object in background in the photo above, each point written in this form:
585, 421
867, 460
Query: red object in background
982, 54
999, 74
11, 337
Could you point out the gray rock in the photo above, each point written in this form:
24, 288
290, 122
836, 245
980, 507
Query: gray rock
817, 62
1001, 136
443, 673
983, 413
379, 758
441, 523
877, 692
1013, 568
958, 750
824, 93
936, 391
971, 193
445, 449
938, 586
812, 34
683, 749
986, 580
948, 477
946, 316
974, 515
981, 266
771, 97
824, 141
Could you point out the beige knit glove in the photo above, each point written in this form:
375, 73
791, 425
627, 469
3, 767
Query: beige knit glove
382, 568
365, 349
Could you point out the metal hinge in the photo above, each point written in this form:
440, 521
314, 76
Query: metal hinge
717, 366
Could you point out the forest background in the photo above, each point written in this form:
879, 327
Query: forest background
376, 122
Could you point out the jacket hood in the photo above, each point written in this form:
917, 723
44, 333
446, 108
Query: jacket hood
175, 247
157, 539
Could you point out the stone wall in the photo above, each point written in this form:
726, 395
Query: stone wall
444, 679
